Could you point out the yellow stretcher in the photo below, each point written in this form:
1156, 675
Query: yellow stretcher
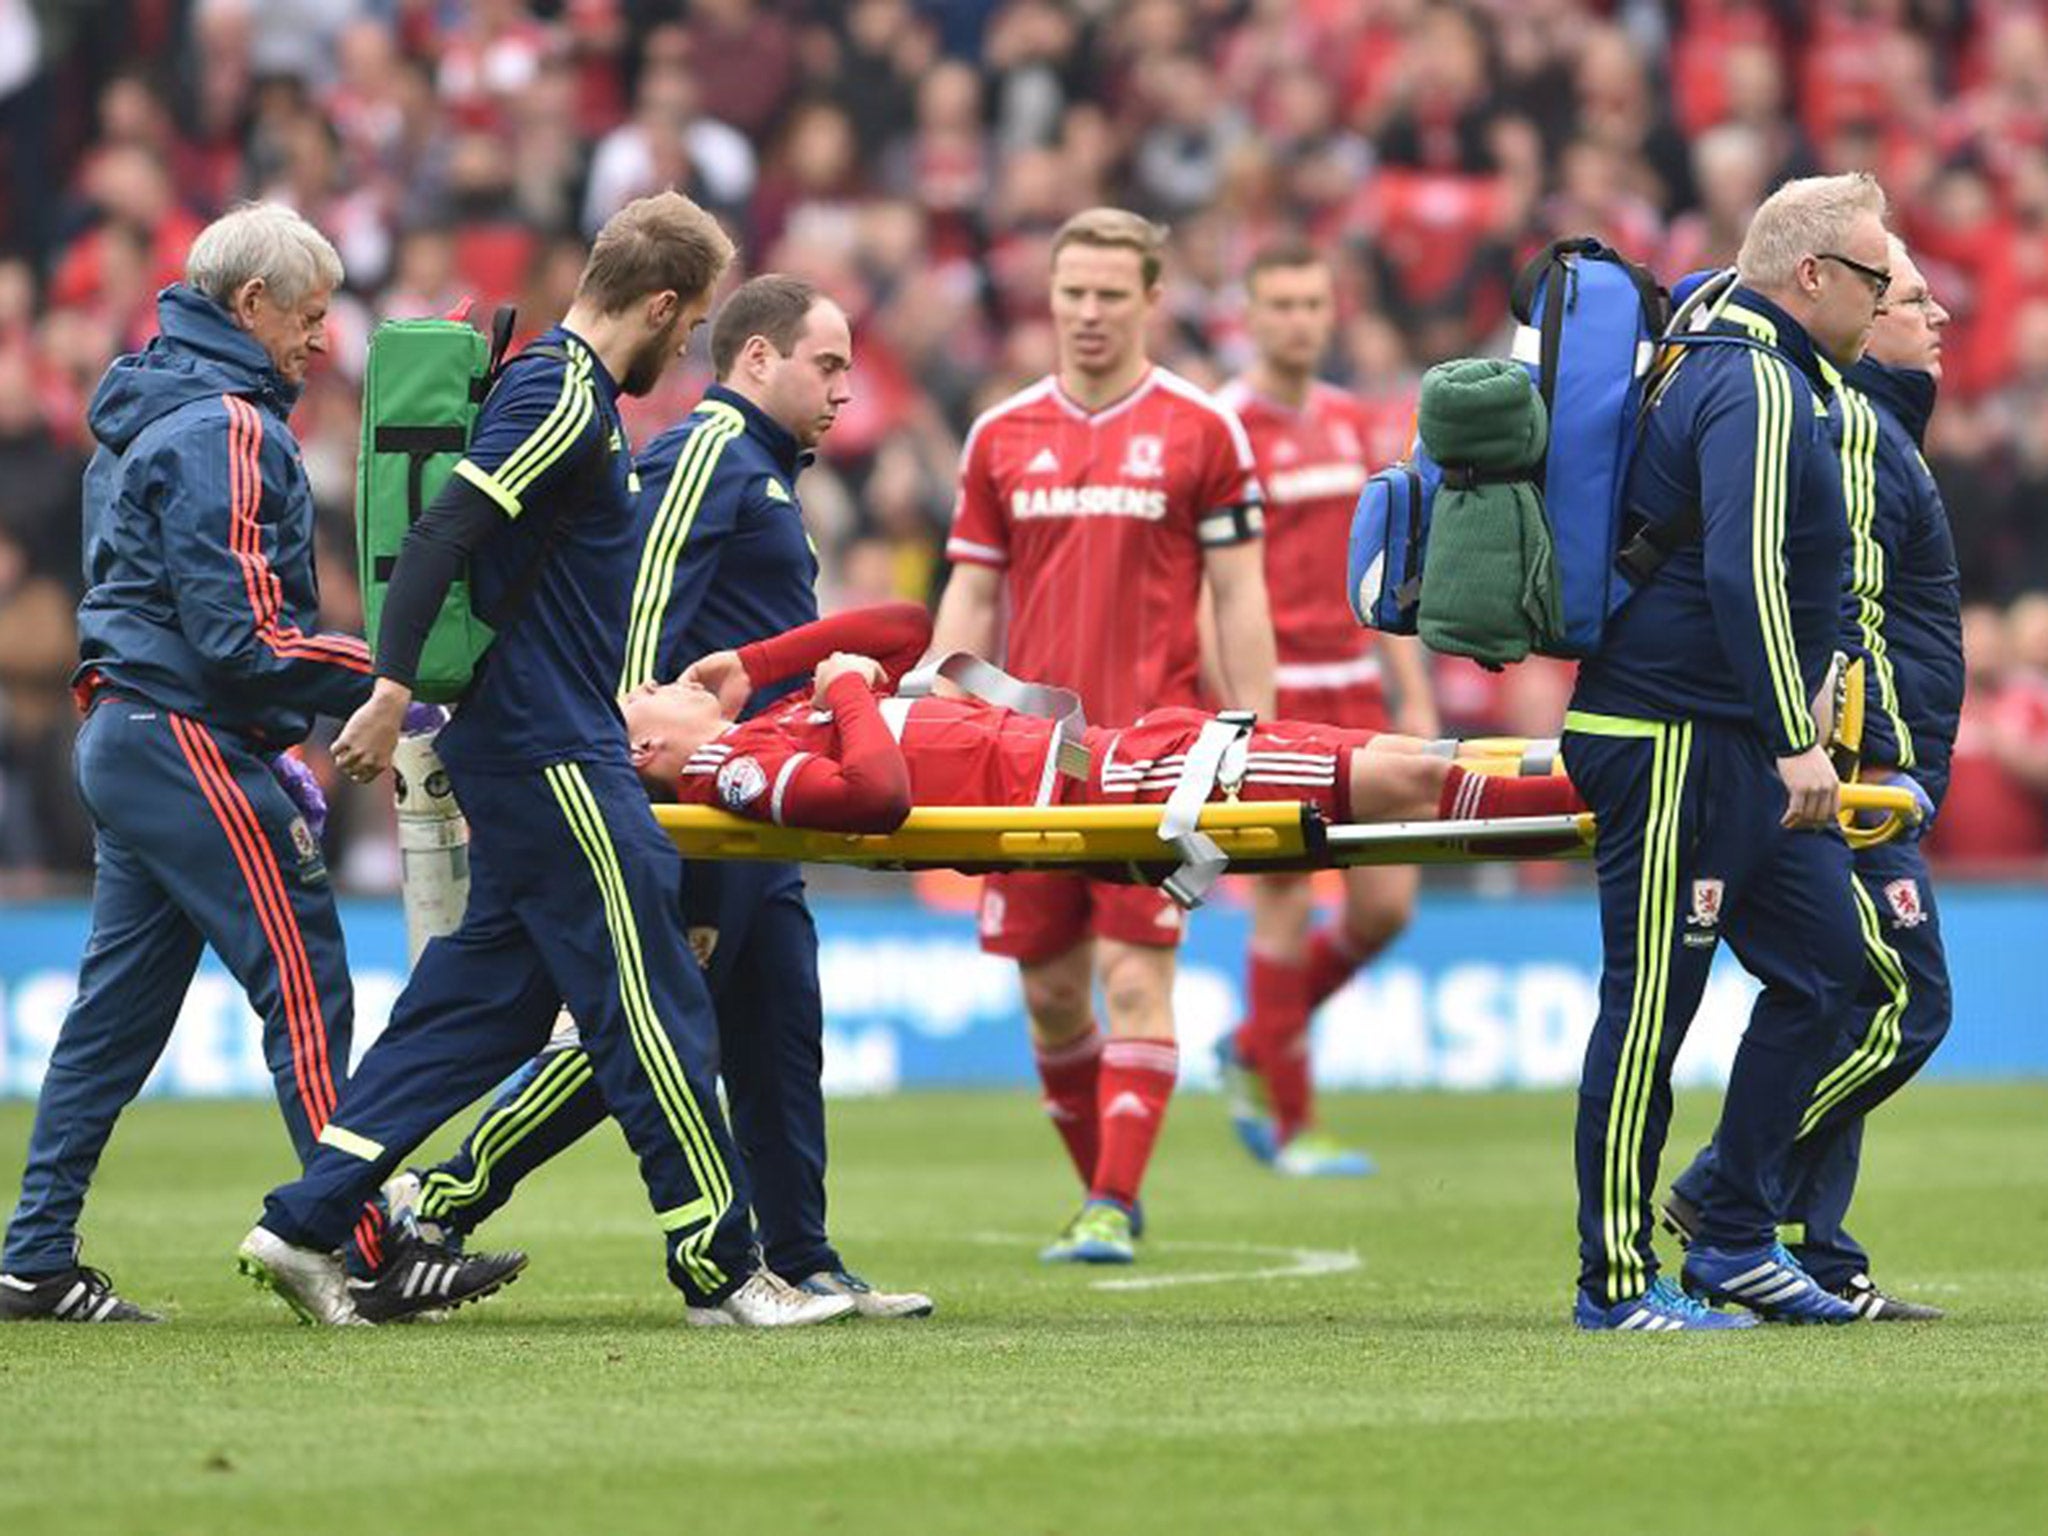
1117, 842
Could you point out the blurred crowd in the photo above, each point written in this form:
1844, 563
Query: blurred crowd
914, 156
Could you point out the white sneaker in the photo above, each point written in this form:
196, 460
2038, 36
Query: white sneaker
768, 1301
867, 1301
310, 1282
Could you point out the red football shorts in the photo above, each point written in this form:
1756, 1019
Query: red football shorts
1033, 915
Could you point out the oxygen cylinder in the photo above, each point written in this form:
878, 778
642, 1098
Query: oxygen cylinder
433, 843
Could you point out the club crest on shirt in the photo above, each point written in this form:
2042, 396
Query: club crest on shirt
741, 782
1903, 897
1144, 457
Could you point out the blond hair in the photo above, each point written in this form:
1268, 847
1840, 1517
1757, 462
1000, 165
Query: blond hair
1804, 218
654, 245
1117, 229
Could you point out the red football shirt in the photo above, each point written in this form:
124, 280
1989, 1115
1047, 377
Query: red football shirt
1312, 464
1099, 520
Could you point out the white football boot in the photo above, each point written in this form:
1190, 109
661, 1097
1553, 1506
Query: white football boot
867, 1301
768, 1301
310, 1282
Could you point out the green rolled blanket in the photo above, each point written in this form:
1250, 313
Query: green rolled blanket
1489, 584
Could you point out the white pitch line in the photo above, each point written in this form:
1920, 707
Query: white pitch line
1299, 1263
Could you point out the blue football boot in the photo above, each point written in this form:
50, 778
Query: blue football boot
1663, 1308
1767, 1280
1244, 1094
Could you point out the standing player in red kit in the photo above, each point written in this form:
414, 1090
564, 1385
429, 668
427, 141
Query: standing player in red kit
1098, 502
1309, 439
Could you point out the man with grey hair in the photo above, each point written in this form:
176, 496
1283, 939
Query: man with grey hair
1693, 736
1903, 587
201, 665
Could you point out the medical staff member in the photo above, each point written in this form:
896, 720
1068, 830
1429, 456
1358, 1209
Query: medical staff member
200, 662
1908, 615
726, 562
1693, 737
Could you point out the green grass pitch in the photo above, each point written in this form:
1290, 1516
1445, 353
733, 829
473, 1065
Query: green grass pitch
1431, 1385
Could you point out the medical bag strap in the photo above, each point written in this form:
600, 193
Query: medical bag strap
520, 593
1218, 756
1656, 542
988, 682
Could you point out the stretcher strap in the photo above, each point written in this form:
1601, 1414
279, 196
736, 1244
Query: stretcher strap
1217, 756
988, 682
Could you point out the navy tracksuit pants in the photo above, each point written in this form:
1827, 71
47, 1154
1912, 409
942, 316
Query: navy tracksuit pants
764, 984
1690, 852
575, 897
1876, 1053
195, 844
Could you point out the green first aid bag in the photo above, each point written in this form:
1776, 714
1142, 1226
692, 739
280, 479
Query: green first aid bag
422, 389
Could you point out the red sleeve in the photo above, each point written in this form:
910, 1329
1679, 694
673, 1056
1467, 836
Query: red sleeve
895, 634
867, 787
1228, 500
981, 533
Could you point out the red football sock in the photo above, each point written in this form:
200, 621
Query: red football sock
1466, 795
1277, 991
1070, 1073
1273, 1041
1334, 956
1137, 1081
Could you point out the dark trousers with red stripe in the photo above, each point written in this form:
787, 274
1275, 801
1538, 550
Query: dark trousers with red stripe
196, 845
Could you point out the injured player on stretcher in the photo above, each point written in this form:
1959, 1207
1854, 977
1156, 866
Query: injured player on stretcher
846, 756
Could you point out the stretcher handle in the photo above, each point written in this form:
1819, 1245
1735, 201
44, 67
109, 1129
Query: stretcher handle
1900, 811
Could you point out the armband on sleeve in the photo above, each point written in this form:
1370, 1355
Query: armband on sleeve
1236, 524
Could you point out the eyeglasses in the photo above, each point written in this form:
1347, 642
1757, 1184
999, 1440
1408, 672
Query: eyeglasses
1879, 279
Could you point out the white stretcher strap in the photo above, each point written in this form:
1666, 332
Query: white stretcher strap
1218, 756
992, 685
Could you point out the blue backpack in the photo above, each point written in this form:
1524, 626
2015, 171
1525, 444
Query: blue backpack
1591, 325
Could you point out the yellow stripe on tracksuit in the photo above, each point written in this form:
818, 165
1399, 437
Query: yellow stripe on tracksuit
1868, 576
507, 1125
667, 535
1774, 414
1635, 1081
544, 446
651, 1045
1879, 1047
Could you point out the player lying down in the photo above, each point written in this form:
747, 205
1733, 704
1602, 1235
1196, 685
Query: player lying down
842, 756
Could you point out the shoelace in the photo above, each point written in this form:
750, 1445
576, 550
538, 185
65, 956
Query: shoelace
1670, 1299
1784, 1256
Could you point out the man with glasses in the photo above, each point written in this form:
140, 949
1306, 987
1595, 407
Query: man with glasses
1694, 739
1903, 590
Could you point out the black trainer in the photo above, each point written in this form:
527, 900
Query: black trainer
80, 1294
420, 1276
1873, 1306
